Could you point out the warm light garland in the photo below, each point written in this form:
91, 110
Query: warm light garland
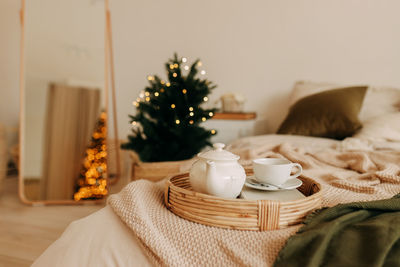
93, 182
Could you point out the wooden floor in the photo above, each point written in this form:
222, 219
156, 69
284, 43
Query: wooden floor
26, 231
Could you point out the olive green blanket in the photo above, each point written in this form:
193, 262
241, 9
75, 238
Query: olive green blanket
353, 234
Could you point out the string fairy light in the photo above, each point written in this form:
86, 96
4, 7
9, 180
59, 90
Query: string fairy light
150, 78
184, 60
168, 84
172, 106
174, 74
184, 91
156, 94
171, 66
134, 123
191, 121
205, 99
162, 90
176, 65
147, 98
162, 82
203, 119
186, 67
199, 64
190, 108
213, 131
147, 93
191, 114
141, 95
177, 121
203, 72
93, 181
211, 114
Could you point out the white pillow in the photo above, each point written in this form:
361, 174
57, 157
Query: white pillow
377, 100
385, 127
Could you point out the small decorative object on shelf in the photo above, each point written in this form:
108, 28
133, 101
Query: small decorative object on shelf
166, 126
232, 102
92, 183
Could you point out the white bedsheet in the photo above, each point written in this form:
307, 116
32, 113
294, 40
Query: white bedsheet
101, 239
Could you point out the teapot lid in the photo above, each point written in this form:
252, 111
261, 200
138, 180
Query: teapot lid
218, 153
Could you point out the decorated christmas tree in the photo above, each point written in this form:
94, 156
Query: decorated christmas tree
92, 183
166, 126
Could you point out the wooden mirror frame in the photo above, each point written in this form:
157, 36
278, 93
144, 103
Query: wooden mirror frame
109, 79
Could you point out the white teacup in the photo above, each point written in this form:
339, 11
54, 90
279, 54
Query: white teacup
274, 171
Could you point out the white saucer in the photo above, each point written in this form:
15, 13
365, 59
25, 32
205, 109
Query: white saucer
289, 184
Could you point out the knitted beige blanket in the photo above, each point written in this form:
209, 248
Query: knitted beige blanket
173, 241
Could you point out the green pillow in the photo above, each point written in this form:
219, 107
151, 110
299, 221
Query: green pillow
331, 114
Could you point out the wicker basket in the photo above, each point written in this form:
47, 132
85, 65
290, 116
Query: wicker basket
256, 215
156, 171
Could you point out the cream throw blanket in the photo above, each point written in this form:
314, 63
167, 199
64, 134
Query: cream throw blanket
173, 241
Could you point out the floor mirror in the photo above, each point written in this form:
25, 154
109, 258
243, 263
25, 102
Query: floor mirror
66, 73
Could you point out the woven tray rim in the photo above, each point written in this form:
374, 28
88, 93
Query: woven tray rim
262, 215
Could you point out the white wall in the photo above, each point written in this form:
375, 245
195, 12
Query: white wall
259, 47
9, 67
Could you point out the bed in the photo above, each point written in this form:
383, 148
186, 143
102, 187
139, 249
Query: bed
134, 229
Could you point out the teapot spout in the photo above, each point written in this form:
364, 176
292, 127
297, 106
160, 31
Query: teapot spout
214, 184
211, 171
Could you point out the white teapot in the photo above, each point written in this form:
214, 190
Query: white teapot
218, 173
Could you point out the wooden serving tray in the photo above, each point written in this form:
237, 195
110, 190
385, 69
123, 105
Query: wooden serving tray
241, 214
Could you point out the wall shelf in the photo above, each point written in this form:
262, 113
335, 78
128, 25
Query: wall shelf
235, 116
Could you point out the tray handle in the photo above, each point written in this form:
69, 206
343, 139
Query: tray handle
268, 214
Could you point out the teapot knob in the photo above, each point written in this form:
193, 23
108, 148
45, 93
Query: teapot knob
218, 146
